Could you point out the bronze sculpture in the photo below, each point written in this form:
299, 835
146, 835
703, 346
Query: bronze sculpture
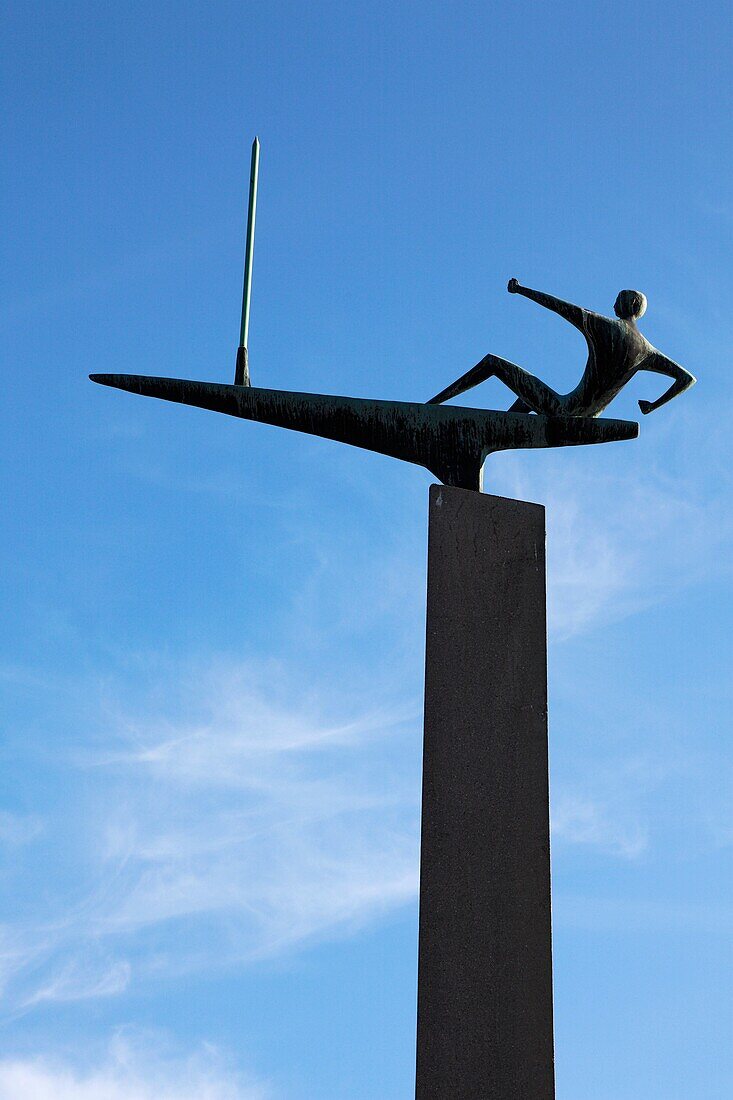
451, 442
616, 352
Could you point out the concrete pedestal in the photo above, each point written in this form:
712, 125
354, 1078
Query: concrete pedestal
485, 955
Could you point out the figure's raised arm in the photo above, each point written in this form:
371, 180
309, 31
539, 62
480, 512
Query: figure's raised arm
660, 364
571, 313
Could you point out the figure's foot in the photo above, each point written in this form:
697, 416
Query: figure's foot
444, 395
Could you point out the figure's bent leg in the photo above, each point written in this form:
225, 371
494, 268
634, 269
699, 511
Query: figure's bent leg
519, 406
535, 394
474, 377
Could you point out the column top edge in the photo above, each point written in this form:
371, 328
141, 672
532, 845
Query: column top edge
450, 492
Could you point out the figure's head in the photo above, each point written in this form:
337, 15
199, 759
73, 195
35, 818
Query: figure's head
630, 305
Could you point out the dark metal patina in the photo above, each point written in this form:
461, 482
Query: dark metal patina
616, 352
450, 441
453, 442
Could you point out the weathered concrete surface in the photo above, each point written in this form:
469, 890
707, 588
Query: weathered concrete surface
485, 957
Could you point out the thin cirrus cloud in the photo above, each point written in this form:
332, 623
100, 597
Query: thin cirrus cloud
246, 821
622, 537
250, 827
134, 1067
588, 823
17, 830
288, 821
82, 978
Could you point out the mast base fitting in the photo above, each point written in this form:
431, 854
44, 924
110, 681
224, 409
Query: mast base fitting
241, 371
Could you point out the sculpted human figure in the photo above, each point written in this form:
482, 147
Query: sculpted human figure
616, 351
451, 441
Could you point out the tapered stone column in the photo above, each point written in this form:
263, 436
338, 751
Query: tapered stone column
485, 955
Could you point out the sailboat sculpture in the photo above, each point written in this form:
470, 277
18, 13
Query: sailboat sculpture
451, 442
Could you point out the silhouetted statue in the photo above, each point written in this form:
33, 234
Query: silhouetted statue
616, 351
451, 441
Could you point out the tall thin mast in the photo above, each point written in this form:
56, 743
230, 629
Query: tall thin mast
241, 376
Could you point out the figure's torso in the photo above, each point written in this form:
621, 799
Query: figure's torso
615, 350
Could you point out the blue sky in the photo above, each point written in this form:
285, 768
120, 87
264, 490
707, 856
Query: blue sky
211, 660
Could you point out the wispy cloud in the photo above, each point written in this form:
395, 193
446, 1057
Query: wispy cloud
626, 535
238, 810
82, 978
18, 829
606, 800
582, 821
271, 815
246, 818
135, 1067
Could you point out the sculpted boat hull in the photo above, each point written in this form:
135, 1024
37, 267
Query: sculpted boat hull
450, 441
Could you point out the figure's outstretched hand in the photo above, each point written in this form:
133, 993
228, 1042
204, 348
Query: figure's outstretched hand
513, 286
646, 407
